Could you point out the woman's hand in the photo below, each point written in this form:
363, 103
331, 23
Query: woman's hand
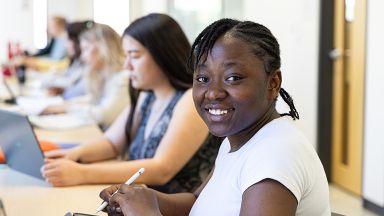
70, 154
131, 200
106, 195
62, 172
54, 109
54, 91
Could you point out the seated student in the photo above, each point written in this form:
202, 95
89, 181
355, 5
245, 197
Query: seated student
55, 53
265, 166
161, 130
71, 82
105, 80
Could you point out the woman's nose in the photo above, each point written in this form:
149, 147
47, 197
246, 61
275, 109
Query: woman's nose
128, 64
215, 91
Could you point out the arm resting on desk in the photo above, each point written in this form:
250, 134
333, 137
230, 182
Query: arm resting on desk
96, 150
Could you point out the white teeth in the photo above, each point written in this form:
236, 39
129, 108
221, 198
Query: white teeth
217, 111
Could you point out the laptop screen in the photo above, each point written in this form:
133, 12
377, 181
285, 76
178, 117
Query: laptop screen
19, 144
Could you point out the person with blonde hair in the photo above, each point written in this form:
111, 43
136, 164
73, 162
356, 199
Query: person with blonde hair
106, 82
70, 83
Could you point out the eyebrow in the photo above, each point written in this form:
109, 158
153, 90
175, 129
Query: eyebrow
226, 65
132, 51
201, 66
230, 64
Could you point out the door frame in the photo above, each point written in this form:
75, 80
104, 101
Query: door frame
325, 87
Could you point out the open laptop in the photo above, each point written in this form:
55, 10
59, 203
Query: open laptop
19, 144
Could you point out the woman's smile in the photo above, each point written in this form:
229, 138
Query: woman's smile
219, 114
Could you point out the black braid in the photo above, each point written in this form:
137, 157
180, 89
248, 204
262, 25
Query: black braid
288, 99
262, 42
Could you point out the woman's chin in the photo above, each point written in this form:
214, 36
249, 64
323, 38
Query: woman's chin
218, 131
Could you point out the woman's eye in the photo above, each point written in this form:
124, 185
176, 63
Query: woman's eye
201, 79
233, 78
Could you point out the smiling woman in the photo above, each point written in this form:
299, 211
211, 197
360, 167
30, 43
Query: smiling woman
265, 166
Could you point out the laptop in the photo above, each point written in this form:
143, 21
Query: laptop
19, 144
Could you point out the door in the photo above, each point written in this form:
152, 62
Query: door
348, 93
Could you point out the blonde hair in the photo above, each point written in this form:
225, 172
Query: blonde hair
111, 56
59, 21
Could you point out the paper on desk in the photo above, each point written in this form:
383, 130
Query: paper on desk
35, 105
61, 121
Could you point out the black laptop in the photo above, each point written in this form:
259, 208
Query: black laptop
19, 144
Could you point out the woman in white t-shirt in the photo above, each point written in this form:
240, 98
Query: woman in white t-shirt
265, 166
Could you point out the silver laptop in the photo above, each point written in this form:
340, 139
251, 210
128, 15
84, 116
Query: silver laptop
19, 144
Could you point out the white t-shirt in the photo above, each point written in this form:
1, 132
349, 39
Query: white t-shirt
277, 151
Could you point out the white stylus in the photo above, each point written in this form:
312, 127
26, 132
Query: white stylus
130, 181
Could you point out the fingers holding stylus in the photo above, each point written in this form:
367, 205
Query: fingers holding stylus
135, 200
107, 192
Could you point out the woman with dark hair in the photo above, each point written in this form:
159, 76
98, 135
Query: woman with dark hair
160, 131
71, 82
265, 166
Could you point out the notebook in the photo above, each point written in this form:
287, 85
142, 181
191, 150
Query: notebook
19, 144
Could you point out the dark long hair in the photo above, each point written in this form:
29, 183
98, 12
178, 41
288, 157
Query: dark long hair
259, 38
169, 47
74, 30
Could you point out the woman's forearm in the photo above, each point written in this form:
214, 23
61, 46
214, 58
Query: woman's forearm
96, 150
119, 171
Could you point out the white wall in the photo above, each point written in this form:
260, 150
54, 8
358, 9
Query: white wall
295, 24
140, 8
119, 8
15, 24
73, 10
373, 167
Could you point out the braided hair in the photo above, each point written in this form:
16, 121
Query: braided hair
263, 44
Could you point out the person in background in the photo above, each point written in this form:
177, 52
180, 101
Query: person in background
71, 83
160, 131
265, 166
55, 53
106, 82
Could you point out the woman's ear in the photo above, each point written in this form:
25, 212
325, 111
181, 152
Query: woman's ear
274, 84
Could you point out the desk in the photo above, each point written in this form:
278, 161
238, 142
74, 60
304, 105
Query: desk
25, 195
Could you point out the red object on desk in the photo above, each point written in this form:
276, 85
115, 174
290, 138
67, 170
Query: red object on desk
6, 70
9, 51
44, 145
6, 67
2, 158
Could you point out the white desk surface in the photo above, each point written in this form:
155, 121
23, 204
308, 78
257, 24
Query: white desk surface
24, 195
